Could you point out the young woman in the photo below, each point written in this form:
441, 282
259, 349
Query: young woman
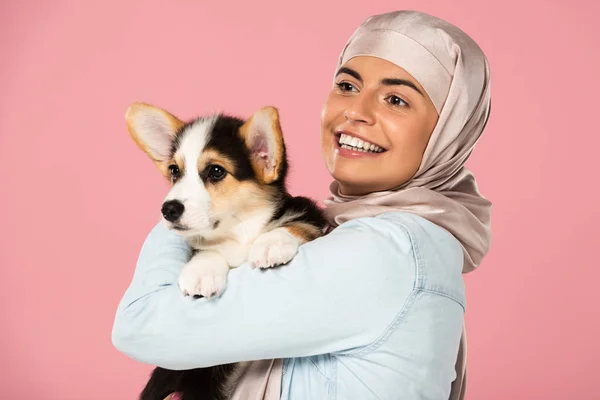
374, 309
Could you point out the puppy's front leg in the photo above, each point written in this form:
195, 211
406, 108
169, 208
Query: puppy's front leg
204, 275
274, 248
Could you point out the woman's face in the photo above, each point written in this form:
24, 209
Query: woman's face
375, 126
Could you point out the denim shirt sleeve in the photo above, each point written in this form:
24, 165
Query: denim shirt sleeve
339, 293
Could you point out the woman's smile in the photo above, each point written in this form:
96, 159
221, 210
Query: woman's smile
350, 144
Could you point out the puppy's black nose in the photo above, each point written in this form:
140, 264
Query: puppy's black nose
172, 210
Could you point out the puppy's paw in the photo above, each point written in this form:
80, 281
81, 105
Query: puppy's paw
203, 278
273, 248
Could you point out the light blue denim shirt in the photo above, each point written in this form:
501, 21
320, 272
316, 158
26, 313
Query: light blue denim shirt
373, 310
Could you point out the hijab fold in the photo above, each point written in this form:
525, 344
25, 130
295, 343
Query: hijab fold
454, 72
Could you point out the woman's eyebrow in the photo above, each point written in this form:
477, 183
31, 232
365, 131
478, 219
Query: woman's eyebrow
404, 82
351, 72
385, 81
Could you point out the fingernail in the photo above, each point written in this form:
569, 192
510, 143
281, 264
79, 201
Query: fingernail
176, 396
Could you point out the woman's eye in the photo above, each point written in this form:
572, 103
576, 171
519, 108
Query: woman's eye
174, 171
345, 86
397, 101
216, 173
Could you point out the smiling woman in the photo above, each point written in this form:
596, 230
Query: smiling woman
375, 103
375, 308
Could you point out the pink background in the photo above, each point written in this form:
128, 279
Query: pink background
78, 197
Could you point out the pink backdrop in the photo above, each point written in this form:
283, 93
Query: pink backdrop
78, 197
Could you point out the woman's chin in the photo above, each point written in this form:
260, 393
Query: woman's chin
351, 185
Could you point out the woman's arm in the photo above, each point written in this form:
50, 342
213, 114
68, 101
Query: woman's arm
340, 292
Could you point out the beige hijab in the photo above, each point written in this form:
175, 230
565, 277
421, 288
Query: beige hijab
455, 74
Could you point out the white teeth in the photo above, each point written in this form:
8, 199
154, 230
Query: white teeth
353, 143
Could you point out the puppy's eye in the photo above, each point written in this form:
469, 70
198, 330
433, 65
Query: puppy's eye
215, 172
175, 173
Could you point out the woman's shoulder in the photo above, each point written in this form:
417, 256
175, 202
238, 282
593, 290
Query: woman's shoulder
405, 230
403, 237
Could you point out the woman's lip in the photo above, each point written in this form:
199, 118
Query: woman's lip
338, 133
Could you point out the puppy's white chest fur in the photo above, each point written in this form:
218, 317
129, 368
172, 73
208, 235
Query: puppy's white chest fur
206, 273
236, 246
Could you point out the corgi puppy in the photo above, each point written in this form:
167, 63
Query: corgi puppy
229, 200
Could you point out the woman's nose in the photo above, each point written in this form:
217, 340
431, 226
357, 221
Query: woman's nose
360, 110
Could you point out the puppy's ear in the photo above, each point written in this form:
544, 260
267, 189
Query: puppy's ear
153, 130
263, 137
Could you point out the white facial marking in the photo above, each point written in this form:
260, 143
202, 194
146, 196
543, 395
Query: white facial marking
190, 189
